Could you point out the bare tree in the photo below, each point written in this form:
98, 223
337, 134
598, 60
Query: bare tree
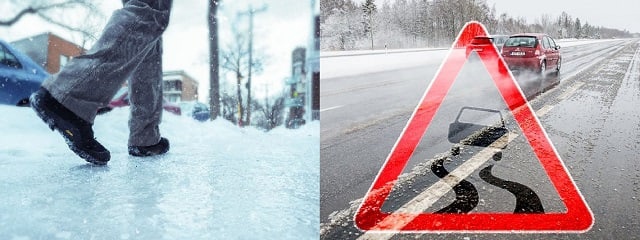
53, 12
273, 114
229, 107
546, 23
269, 115
235, 59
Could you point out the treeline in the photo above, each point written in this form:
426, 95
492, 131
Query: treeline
347, 25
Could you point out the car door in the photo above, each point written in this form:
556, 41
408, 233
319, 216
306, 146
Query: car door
10, 89
551, 52
18, 76
556, 50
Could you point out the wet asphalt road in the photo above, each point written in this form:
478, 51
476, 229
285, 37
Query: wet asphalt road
588, 113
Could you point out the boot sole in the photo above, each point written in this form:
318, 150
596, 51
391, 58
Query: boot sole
39, 109
146, 153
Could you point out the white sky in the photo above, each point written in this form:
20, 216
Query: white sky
620, 14
285, 25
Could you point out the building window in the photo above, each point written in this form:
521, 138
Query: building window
173, 98
172, 85
63, 60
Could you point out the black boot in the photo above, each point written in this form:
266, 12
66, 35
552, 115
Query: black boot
157, 149
75, 131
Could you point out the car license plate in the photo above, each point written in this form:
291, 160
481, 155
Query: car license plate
517, 53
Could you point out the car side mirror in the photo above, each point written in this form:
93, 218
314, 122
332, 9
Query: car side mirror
557, 47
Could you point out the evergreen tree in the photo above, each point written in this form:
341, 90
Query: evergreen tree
369, 8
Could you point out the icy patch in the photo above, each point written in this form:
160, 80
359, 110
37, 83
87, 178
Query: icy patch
216, 182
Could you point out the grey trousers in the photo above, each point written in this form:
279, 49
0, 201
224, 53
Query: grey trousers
130, 48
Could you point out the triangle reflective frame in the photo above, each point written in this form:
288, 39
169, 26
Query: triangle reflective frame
577, 218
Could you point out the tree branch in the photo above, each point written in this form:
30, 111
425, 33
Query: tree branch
38, 10
17, 17
33, 10
65, 26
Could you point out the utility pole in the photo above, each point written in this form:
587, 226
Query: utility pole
312, 95
251, 12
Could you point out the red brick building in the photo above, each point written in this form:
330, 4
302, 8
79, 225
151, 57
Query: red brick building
50, 51
178, 86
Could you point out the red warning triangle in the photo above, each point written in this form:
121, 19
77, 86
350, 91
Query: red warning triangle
578, 216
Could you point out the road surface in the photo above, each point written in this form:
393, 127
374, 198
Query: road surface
587, 112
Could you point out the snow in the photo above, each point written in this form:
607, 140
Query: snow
358, 64
336, 64
216, 182
575, 42
369, 52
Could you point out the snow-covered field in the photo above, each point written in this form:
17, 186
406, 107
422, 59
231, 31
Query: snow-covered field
216, 182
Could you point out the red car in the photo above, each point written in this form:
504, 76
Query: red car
121, 99
532, 51
478, 42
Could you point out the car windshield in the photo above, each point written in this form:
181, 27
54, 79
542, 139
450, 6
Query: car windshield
520, 42
499, 40
200, 107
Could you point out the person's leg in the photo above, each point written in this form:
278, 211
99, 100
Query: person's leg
89, 81
145, 93
68, 101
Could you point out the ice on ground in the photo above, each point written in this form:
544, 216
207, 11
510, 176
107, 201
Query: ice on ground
216, 182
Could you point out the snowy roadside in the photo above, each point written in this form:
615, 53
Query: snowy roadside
569, 42
353, 63
565, 43
326, 54
216, 181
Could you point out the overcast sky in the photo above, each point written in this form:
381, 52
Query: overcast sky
620, 14
285, 25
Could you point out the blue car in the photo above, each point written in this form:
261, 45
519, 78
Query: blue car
19, 76
197, 110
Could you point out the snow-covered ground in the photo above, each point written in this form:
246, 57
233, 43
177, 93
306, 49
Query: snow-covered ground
569, 42
216, 182
353, 65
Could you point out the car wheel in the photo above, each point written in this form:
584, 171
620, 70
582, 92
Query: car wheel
558, 66
543, 69
23, 103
